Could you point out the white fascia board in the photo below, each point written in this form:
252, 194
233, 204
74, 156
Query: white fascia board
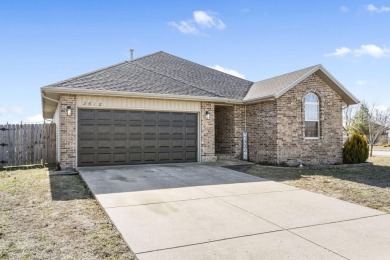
138, 95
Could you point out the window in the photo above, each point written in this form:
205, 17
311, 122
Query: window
312, 116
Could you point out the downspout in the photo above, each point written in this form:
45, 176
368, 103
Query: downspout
245, 139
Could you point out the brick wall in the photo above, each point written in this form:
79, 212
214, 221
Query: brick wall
224, 129
262, 132
208, 132
292, 147
67, 132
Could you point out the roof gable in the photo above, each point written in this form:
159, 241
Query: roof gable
161, 73
275, 87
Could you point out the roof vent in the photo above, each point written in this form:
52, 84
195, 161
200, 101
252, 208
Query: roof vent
131, 54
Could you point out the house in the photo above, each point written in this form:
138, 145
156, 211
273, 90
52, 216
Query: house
162, 108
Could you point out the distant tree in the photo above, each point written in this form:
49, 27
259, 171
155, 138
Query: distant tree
348, 116
378, 120
360, 120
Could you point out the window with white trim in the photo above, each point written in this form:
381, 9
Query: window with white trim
312, 116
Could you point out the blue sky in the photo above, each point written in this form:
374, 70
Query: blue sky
42, 42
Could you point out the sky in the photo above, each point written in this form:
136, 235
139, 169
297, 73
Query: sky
43, 42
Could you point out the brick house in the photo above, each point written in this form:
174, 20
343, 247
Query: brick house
162, 108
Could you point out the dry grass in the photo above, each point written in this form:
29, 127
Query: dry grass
55, 217
381, 148
367, 186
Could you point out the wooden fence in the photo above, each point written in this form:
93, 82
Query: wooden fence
27, 144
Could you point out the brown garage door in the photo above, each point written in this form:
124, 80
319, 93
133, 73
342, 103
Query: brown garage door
113, 137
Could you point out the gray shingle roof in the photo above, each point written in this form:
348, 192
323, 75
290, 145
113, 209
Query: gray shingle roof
272, 86
161, 73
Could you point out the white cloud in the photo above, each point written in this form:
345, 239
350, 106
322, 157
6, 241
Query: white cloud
16, 110
228, 71
340, 52
200, 20
3, 110
374, 9
371, 50
344, 9
34, 119
362, 82
185, 27
208, 19
364, 50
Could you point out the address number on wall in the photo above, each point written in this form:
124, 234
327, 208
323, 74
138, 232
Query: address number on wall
92, 104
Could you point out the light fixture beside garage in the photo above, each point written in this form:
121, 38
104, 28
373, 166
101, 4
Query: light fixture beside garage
207, 115
69, 110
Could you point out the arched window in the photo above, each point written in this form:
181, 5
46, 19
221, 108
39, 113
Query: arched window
312, 116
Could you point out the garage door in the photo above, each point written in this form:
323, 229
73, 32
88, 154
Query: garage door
114, 137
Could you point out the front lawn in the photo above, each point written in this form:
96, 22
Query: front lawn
367, 186
54, 217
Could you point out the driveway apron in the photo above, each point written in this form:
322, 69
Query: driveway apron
197, 211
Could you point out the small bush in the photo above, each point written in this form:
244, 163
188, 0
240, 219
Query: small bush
355, 149
386, 145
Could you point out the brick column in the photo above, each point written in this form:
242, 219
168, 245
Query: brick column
208, 132
68, 132
239, 127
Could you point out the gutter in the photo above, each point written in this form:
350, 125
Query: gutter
51, 99
136, 94
47, 98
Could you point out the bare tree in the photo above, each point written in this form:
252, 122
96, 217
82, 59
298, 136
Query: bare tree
378, 121
348, 118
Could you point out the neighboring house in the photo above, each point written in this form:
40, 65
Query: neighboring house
162, 108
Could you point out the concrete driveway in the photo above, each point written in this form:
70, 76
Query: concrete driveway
381, 153
195, 211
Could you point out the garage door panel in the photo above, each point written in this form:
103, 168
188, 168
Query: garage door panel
135, 157
103, 157
164, 130
87, 158
87, 115
87, 143
119, 143
149, 129
120, 157
164, 143
135, 129
104, 144
191, 156
119, 116
164, 117
105, 115
177, 130
108, 137
178, 156
87, 129
150, 156
135, 143
150, 117
177, 143
119, 129
163, 156
190, 129
191, 118
178, 117
150, 143
190, 143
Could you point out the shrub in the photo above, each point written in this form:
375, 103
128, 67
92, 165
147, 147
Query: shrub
386, 145
355, 149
